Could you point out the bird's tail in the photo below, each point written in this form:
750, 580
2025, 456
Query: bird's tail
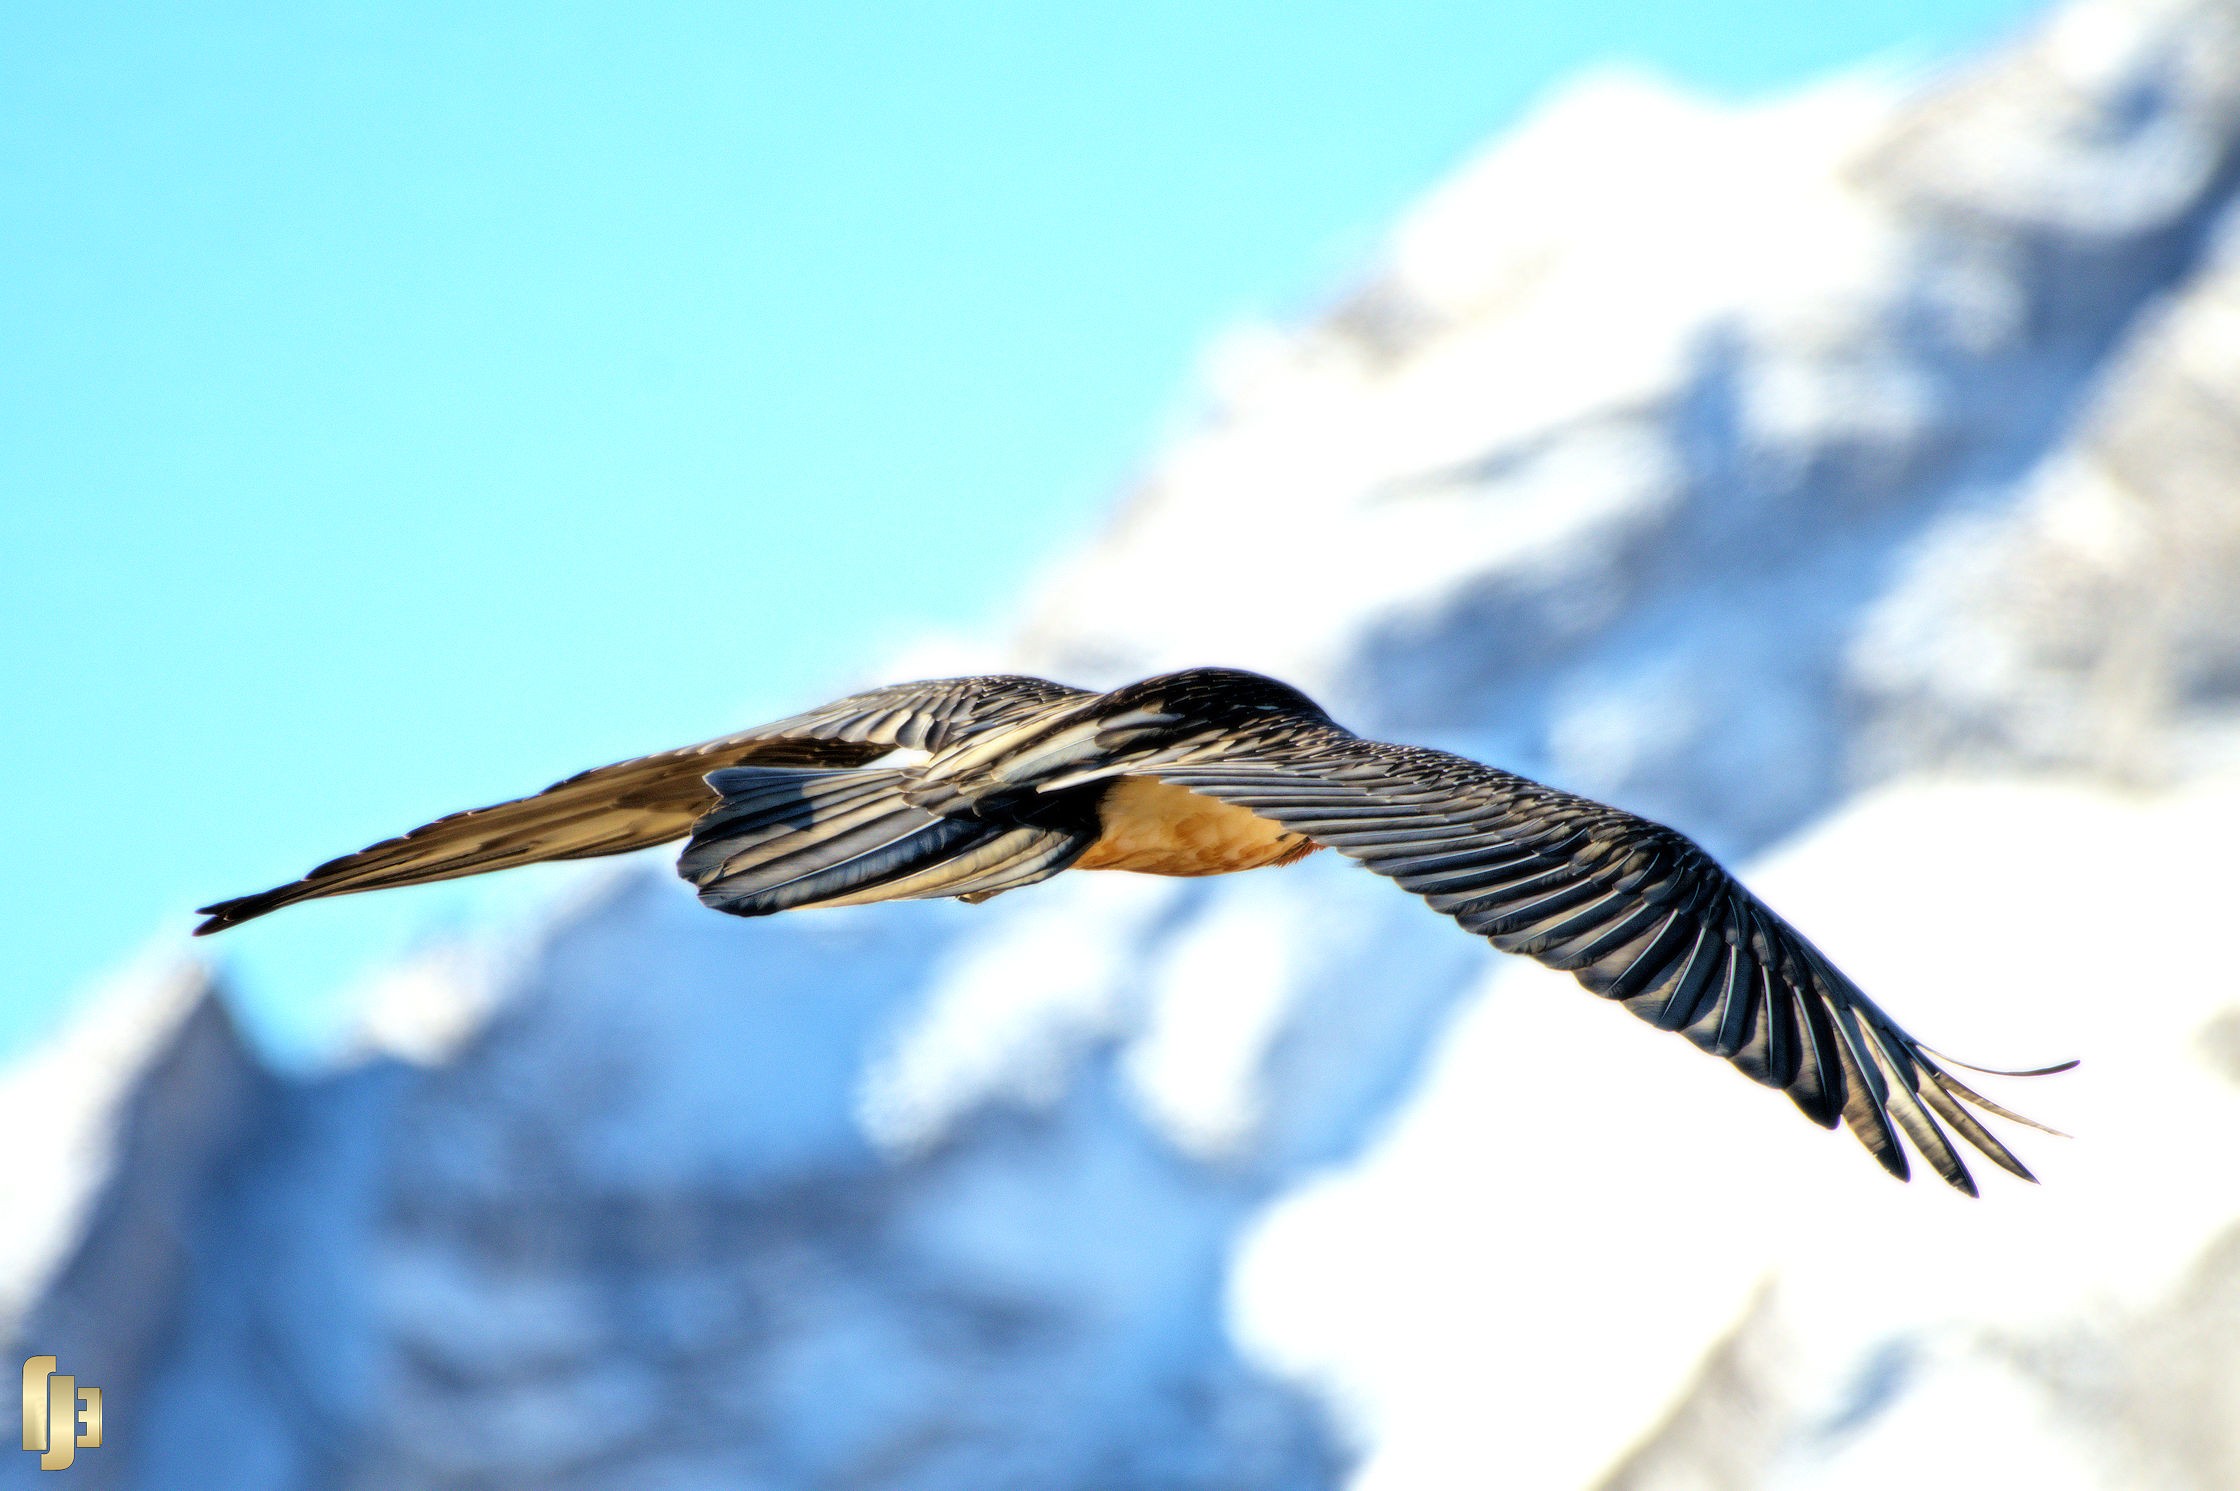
783, 838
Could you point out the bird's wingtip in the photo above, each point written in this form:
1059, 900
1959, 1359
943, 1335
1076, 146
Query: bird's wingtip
219, 915
1995, 1071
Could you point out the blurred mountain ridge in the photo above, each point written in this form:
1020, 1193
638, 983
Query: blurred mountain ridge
1845, 473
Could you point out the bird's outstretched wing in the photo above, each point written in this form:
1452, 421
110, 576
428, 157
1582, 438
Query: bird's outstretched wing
1636, 911
633, 804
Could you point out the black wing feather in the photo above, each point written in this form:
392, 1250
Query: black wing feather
1636, 911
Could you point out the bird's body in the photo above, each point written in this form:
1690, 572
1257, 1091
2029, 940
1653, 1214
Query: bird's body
971, 787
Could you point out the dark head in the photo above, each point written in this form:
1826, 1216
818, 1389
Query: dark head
1216, 695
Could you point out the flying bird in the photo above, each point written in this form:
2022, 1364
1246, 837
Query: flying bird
969, 787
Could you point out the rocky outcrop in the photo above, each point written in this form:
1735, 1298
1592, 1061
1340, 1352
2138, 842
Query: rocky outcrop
184, 1131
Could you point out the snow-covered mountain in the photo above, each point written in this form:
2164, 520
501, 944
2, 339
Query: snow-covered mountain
1843, 479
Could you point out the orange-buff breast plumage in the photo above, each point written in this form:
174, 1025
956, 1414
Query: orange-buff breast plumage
1153, 828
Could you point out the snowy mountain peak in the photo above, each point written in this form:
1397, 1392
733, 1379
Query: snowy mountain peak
1764, 468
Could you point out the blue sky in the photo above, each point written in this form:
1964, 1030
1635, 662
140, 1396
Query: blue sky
402, 406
